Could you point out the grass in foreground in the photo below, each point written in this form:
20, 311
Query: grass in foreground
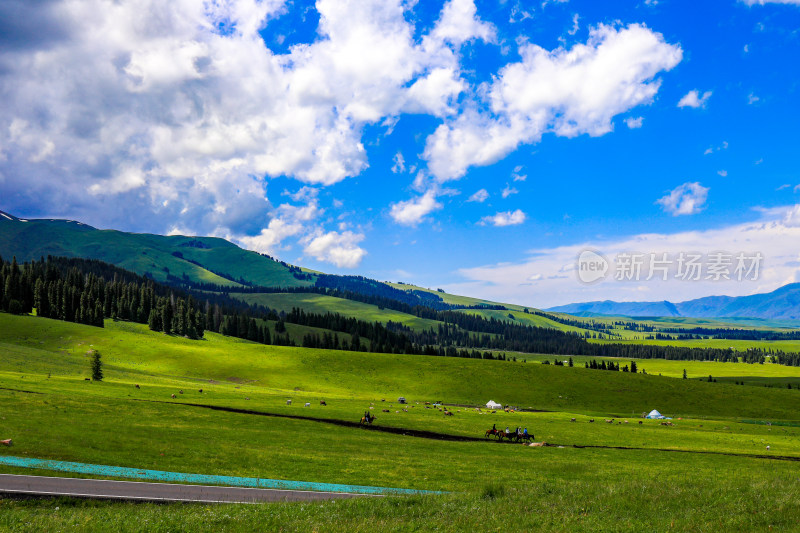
493, 486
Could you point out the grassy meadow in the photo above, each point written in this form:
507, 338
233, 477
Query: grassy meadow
706, 472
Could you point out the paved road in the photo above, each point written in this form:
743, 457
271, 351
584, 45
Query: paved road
140, 491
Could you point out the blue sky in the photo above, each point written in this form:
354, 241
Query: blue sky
472, 146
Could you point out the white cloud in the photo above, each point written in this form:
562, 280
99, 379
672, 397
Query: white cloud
575, 25
723, 173
399, 163
479, 196
752, 99
341, 249
634, 122
686, 199
763, 2
567, 92
287, 221
712, 149
504, 218
558, 283
519, 177
693, 99
412, 212
508, 191
269, 239
177, 111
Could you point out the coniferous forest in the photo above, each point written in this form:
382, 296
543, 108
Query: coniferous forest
89, 291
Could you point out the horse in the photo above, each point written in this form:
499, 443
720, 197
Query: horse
365, 421
495, 432
524, 437
510, 436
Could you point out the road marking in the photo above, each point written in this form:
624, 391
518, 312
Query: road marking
201, 479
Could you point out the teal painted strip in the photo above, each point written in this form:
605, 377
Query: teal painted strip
205, 479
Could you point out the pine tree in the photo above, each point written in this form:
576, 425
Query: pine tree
154, 320
166, 317
97, 367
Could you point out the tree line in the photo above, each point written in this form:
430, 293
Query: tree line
86, 291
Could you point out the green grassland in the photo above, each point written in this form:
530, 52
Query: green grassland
320, 303
751, 374
492, 485
523, 319
453, 299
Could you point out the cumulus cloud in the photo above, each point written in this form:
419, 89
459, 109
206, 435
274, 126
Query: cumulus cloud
693, 99
412, 212
509, 190
504, 218
634, 122
565, 91
686, 199
286, 221
176, 112
341, 249
399, 163
480, 196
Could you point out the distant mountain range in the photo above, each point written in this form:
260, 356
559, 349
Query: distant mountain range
780, 304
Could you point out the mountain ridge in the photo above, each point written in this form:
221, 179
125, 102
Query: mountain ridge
781, 304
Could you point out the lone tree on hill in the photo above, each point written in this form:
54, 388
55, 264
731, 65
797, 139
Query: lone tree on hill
97, 367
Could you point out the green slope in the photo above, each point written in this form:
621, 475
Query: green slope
200, 259
320, 303
33, 345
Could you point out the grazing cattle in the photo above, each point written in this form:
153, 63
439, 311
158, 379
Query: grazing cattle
200, 391
591, 420
307, 404
610, 421
288, 402
640, 422
181, 391
7, 442
137, 386
173, 396
322, 402
385, 410
247, 398
572, 420
448, 413
626, 421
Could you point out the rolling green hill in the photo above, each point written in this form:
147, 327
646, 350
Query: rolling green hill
199, 259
